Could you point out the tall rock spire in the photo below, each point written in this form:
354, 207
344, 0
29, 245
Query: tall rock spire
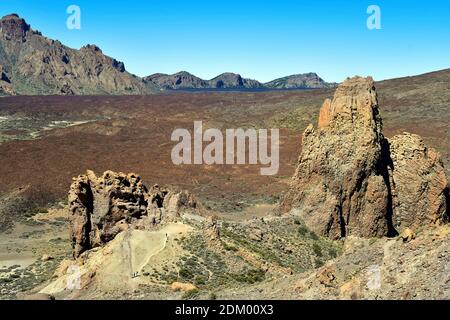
345, 179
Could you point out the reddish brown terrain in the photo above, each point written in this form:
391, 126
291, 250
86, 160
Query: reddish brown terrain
132, 134
46, 141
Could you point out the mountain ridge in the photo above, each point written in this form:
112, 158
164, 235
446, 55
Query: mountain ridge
32, 64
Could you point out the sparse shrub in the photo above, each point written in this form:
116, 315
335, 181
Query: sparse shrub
42, 210
317, 250
191, 294
313, 236
200, 280
251, 276
185, 273
212, 296
303, 231
319, 262
332, 252
228, 247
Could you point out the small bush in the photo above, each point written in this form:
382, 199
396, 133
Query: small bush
319, 263
199, 281
303, 231
191, 294
228, 247
251, 276
42, 210
212, 296
313, 236
332, 252
186, 273
317, 250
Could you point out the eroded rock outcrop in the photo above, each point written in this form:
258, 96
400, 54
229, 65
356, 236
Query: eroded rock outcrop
101, 207
418, 183
345, 180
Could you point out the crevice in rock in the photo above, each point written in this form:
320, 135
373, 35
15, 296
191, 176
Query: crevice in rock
383, 167
342, 223
446, 218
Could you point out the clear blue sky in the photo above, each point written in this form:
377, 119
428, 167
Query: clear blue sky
258, 39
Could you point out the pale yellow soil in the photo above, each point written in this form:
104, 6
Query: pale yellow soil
121, 263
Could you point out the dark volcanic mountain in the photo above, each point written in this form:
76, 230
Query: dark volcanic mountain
233, 81
300, 81
31, 64
185, 80
180, 80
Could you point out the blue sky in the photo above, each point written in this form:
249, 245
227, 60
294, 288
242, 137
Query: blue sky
258, 39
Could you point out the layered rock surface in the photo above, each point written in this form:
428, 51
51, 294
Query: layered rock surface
418, 183
102, 207
345, 180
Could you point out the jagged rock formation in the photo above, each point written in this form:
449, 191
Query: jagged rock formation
34, 64
345, 181
102, 207
211, 230
418, 183
299, 81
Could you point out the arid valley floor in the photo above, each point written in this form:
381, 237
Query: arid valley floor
45, 141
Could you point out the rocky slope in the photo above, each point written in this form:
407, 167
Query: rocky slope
31, 64
180, 80
350, 180
352, 185
299, 81
232, 81
185, 80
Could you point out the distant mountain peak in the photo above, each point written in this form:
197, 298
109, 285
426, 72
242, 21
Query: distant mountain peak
310, 80
32, 64
13, 27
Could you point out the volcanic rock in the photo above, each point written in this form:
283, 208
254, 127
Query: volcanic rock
418, 183
350, 180
12, 27
299, 81
232, 81
102, 207
211, 230
180, 80
339, 187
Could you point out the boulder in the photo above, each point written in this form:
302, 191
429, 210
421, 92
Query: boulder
211, 230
